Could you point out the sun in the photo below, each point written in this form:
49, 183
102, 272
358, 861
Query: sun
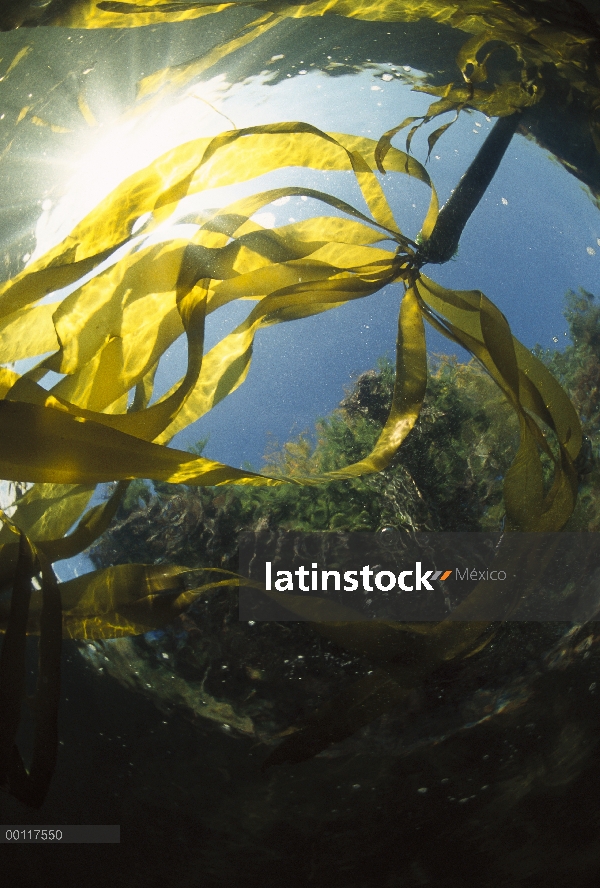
112, 150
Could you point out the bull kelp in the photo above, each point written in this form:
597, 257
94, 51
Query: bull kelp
130, 300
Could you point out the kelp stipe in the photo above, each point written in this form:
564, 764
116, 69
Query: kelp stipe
454, 215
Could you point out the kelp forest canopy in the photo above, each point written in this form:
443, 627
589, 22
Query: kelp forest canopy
88, 320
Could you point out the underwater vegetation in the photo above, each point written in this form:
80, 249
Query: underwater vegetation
447, 476
99, 422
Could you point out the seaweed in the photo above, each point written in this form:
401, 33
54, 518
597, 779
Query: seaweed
230, 258
107, 336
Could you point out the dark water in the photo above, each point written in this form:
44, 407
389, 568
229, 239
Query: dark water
471, 784
487, 774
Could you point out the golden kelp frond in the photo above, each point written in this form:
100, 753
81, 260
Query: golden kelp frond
113, 330
128, 599
22, 53
58, 507
124, 600
48, 511
173, 78
85, 452
230, 158
27, 332
94, 14
470, 319
107, 337
503, 101
55, 127
409, 391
